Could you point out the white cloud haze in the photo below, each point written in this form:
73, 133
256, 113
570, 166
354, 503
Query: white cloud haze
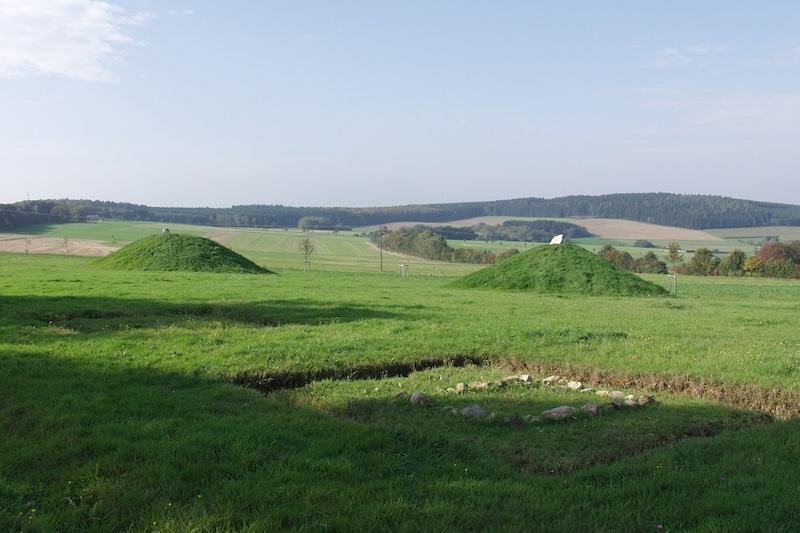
78, 39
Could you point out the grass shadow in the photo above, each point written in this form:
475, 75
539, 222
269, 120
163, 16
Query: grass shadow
89, 314
97, 446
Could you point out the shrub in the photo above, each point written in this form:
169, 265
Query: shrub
704, 263
649, 264
616, 257
733, 264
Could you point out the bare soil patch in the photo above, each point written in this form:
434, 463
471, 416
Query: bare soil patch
14, 243
611, 228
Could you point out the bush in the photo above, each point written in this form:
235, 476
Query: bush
649, 264
753, 266
643, 243
616, 257
704, 263
733, 264
502, 256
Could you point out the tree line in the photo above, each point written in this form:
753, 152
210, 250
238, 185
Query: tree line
422, 242
773, 260
511, 230
683, 210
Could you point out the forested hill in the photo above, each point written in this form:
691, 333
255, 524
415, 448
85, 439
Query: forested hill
688, 211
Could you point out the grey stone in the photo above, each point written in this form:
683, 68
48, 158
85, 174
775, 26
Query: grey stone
602, 393
574, 385
475, 411
591, 408
479, 385
630, 402
460, 387
530, 419
420, 398
617, 395
550, 379
646, 399
557, 413
525, 378
589, 389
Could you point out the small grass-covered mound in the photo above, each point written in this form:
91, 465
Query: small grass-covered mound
560, 269
179, 252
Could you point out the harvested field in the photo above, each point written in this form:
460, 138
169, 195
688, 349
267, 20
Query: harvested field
13, 243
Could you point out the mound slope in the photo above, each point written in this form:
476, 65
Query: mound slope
179, 252
560, 269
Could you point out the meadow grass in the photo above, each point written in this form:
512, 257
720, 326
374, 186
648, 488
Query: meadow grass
118, 411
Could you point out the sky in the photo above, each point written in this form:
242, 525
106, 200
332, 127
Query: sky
294, 102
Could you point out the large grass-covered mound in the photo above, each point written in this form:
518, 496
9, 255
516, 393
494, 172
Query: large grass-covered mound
560, 269
179, 252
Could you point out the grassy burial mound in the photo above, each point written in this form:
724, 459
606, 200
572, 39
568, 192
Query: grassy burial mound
561, 269
179, 253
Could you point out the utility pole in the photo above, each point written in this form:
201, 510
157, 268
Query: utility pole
380, 232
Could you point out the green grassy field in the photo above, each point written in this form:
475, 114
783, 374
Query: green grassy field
343, 251
270, 248
120, 410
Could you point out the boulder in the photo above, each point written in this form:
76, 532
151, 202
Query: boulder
646, 399
526, 378
591, 408
574, 385
474, 411
550, 379
557, 413
602, 393
420, 398
460, 387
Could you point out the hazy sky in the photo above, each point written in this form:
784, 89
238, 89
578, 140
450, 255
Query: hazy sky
216, 103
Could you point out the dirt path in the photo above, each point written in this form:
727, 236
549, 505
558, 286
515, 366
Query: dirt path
398, 254
14, 243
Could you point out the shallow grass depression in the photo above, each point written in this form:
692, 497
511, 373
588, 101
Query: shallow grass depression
123, 405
